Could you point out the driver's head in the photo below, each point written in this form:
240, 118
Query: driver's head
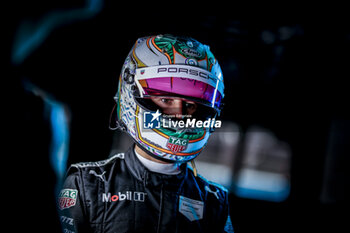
178, 77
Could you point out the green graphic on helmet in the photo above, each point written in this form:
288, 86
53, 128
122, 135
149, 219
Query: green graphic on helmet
166, 68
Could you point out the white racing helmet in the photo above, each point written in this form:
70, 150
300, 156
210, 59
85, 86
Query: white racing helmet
170, 67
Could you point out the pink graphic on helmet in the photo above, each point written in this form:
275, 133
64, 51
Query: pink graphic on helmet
184, 87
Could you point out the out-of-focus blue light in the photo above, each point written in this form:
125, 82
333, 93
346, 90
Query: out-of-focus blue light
57, 115
31, 35
60, 140
277, 196
261, 185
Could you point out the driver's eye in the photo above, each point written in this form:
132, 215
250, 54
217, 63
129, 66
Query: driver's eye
166, 101
190, 105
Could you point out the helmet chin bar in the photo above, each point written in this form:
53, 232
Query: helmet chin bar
158, 157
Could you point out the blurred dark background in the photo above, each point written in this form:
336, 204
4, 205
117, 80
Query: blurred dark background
286, 75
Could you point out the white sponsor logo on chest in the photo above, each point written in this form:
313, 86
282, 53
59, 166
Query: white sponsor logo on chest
191, 209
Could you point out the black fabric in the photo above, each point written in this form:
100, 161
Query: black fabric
121, 195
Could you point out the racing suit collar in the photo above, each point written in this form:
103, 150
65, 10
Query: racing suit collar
149, 178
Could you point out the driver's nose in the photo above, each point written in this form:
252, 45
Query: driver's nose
175, 109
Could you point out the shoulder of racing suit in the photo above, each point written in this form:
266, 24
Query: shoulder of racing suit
97, 184
99, 163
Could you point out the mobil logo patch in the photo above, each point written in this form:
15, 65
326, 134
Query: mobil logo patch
67, 198
124, 196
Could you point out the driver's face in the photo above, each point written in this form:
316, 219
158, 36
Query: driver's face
175, 106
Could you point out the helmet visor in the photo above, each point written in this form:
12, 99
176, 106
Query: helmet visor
181, 81
182, 87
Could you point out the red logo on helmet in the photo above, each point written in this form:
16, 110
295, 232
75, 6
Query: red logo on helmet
177, 144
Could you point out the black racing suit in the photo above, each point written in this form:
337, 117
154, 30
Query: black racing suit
121, 195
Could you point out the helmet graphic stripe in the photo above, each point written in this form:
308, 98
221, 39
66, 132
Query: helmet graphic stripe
160, 71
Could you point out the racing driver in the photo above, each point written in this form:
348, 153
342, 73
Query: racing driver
151, 187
